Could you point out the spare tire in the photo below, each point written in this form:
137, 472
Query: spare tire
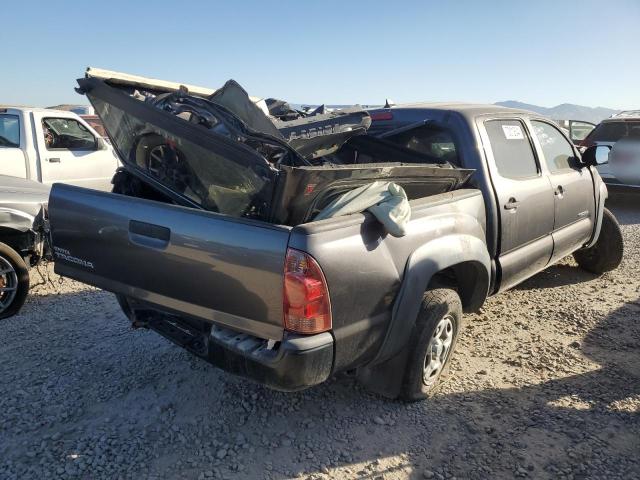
606, 254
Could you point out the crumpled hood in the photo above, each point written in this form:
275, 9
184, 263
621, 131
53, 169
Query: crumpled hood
20, 190
22, 202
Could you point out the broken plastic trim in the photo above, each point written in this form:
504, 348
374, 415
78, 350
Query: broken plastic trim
303, 191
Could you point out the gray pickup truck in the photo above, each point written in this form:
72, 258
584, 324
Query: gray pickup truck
232, 267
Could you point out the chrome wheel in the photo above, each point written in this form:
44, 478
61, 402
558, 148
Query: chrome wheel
8, 283
438, 350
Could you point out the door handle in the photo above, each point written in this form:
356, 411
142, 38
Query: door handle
512, 204
54, 160
148, 234
559, 191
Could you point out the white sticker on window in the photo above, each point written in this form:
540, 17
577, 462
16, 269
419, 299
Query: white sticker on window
512, 132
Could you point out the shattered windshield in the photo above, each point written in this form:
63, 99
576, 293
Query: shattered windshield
200, 174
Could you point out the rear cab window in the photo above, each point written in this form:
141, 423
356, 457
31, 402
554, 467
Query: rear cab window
431, 140
9, 131
512, 150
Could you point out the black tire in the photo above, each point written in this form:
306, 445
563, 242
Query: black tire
606, 254
438, 306
9, 257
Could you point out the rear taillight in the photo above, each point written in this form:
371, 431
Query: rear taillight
306, 297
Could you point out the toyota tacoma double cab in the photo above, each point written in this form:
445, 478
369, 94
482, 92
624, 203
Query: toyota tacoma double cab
209, 237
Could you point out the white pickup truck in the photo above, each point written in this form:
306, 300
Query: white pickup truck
51, 146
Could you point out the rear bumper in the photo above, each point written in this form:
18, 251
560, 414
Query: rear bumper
295, 363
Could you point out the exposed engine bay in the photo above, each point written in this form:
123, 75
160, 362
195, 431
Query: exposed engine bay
223, 151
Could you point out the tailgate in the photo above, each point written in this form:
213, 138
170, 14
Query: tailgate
191, 262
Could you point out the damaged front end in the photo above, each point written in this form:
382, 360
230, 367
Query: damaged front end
222, 151
24, 224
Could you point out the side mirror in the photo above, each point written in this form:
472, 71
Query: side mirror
596, 155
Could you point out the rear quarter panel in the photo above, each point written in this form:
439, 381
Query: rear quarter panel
365, 267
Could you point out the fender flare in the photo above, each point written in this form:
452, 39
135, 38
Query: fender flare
429, 259
603, 194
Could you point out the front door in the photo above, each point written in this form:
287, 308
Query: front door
524, 197
71, 153
574, 201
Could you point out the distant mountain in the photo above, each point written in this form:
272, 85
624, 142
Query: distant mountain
565, 111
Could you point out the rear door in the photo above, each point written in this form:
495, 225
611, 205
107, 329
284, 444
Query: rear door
70, 152
181, 260
524, 198
573, 191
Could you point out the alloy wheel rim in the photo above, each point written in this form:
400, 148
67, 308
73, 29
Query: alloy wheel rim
438, 350
8, 284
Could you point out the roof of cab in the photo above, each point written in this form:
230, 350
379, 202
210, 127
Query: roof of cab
466, 109
623, 115
11, 109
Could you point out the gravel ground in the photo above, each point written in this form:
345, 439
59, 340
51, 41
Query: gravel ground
545, 384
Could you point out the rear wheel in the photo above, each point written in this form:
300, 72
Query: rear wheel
14, 281
606, 254
432, 343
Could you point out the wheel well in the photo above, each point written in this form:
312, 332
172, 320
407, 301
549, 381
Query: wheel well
19, 241
469, 279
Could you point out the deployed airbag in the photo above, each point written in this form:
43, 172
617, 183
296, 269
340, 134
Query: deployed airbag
387, 201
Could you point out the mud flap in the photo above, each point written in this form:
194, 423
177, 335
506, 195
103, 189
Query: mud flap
385, 378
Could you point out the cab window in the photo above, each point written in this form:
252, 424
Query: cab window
512, 150
67, 134
9, 131
558, 152
430, 140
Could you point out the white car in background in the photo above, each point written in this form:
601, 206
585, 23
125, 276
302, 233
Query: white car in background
50, 146
622, 133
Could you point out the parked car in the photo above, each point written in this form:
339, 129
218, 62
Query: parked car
622, 133
213, 245
23, 234
50, 146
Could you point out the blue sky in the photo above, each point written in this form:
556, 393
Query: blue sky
542, 52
